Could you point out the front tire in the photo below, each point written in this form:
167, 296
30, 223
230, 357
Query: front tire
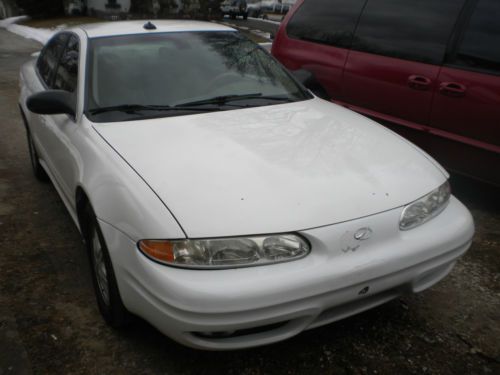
103, 277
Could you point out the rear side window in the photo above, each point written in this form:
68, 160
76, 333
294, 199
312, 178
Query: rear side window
67, 71
479, 48
408, 29
326, 21
47, 62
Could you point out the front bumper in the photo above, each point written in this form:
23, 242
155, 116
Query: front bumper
240, 308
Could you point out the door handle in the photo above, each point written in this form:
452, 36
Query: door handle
417, 82
453, 89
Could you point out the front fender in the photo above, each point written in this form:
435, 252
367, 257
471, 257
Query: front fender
118, 195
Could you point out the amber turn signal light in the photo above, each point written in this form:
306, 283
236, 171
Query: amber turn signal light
158, 249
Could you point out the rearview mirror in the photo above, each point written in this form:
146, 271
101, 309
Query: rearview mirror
52, 102
309, 81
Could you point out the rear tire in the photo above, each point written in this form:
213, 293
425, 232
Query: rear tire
103, 277
38, 170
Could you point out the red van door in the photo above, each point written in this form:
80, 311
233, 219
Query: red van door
316, 36
466, 107
396, 54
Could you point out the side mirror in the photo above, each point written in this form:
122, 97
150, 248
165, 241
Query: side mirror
52, 102
303, 76
309, 81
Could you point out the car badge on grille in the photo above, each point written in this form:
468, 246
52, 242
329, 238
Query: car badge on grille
363, 234
352, 242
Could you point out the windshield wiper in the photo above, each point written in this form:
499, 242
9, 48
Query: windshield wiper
225, 99
134, 108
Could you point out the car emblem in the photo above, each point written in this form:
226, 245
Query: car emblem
352, 242
363, 234
364, 290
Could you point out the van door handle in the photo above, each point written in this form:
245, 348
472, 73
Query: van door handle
417, 82
453, 89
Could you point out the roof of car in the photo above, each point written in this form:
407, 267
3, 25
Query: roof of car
95, 30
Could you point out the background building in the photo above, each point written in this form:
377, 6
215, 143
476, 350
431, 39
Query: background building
8, 8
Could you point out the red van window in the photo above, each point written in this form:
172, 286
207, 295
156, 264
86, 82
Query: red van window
407, 29
479, 49
329, 22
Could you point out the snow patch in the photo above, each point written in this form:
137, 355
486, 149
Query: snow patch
263, 20
262, 34
267, 46
38, 34
9, 21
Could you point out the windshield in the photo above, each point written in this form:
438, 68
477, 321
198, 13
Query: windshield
171, 74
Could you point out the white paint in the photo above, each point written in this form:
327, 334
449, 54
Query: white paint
309, 167
136, 27
272, 169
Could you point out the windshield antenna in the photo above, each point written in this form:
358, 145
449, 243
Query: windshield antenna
149, 26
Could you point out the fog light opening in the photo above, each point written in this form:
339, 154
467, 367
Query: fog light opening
216, 335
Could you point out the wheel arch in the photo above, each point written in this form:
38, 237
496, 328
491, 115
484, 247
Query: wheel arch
82, 202
23, 116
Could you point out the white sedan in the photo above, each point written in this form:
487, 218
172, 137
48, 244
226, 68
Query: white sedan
218, 198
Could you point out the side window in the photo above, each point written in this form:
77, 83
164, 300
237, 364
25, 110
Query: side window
47, 62
326, 21
67, 72
479, 48
407, 29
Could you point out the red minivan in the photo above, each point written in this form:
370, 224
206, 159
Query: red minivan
428, 69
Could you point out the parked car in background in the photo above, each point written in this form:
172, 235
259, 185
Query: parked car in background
259, 8
429, 70
234, 8
218, 198
75, 7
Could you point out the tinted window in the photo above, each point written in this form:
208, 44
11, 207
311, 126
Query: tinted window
326, 21
408, 29
47, 62
67, 71
480, 46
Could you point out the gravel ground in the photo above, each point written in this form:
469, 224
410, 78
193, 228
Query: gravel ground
49, 323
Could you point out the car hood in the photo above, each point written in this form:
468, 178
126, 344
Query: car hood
272, 169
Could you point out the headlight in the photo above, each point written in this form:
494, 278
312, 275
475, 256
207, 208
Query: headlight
226, 252
425, 208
